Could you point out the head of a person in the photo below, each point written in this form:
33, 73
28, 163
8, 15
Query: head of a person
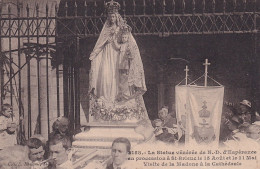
100, 103
120, 149
58, 150
163, 113
253, 131
7, 110
112, 18
112, 8
227, 112
125, 37
36, 149
62, 124
125, 30
245, 106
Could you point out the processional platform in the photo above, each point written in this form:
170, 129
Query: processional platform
94, 144
101, 135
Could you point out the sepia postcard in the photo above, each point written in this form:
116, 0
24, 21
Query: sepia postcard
130, 84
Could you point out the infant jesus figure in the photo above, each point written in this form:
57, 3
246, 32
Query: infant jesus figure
125, 58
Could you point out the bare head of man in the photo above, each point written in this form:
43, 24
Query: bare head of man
120, 150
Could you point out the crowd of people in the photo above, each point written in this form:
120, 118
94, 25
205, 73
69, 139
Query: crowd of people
57, 152
38, 152
237, 124
235, 119
239, 120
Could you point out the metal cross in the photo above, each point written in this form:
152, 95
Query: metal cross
206, 64
186, 76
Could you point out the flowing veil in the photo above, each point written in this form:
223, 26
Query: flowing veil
136, 75
136, 72
95, 55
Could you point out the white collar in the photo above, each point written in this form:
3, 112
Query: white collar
122, 166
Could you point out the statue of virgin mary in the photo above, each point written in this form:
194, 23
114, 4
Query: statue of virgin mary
105, 84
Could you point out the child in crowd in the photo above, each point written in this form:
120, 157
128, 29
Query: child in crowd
8, 126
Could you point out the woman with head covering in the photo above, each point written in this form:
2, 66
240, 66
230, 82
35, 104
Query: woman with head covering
107, 80
104, 57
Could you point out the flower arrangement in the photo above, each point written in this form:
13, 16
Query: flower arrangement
106, 111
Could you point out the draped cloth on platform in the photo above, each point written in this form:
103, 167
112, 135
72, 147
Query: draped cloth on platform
203, 113
181, 105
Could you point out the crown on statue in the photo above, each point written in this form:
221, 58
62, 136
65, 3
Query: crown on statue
125, 28
112, 7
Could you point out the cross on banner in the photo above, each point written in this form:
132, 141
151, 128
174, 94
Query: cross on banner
206, 64
186, 76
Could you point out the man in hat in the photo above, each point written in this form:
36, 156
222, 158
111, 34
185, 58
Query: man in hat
245, 111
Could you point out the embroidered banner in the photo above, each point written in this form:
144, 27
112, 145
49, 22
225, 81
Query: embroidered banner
203, 109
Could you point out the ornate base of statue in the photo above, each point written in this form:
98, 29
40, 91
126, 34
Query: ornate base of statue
101, 136
109, 121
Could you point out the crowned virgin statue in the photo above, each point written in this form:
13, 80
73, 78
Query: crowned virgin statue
117, 80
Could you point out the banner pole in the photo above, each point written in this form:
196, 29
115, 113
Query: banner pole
186, 76
206, 64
